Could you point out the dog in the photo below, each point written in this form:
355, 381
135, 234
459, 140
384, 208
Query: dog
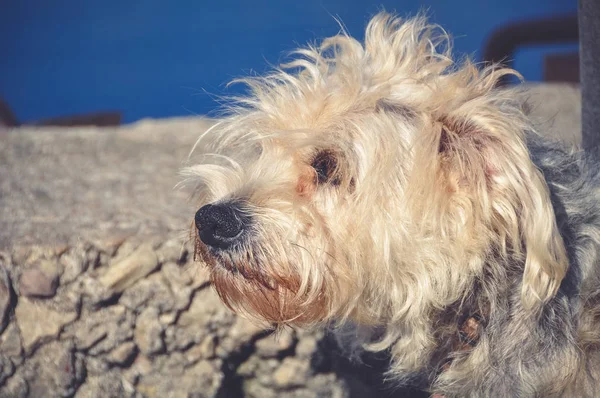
386, 189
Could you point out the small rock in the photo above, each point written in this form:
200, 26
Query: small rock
52, 267
15, 387
74, 262
153, 291
24, 255
137, 296
88, 340
254, 389
243, 330
172, 363
148, 332
201, 380
204, 350
39, 282
101, 386
65, 300
200, 275
10, 343
241, 333
168, 319
247, 369
95, 366
111, 242
264, 369
54, 370
141, 366
292, 372
306, 347
127, 247
5, 297
124, 273
207, 347
103, 259
176, 274
129, 389
123, 353
205, 315
20, 254
172, 250
183, 297
5, 259
93, 258
171, 339
29, 315
94, 294
102, 331
7, 368
275, 343
327, 385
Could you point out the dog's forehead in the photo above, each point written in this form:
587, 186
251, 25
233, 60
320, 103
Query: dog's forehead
357, 139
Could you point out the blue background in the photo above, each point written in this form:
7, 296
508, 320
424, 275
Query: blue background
159, 58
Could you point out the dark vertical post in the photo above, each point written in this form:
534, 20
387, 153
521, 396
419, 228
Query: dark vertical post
589, 36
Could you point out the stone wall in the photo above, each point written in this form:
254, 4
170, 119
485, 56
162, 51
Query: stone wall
99, 293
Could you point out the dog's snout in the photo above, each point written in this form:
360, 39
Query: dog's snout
220, 225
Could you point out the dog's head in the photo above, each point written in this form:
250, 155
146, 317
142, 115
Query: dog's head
371, 182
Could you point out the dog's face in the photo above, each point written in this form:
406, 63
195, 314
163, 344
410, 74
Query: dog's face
294, 220
375, 183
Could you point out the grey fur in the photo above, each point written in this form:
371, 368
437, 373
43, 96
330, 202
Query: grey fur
553, 355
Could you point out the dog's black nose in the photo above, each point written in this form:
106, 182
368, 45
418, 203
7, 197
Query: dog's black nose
220, 225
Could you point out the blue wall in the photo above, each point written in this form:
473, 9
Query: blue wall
158, 58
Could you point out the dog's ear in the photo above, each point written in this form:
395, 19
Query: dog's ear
546, 261
485, 163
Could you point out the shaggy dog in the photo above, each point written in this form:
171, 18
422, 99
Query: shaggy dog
384, 186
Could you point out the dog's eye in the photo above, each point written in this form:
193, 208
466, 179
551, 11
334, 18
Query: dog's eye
325, 164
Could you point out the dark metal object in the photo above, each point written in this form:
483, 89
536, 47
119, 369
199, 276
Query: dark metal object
505, 41
101, 119
562, 68
589, 30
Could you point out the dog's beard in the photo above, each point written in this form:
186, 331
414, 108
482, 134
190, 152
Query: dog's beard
263, 287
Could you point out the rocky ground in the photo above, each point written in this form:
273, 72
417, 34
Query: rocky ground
131, 317
100, 296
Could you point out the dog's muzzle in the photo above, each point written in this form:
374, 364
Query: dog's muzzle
221, 225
